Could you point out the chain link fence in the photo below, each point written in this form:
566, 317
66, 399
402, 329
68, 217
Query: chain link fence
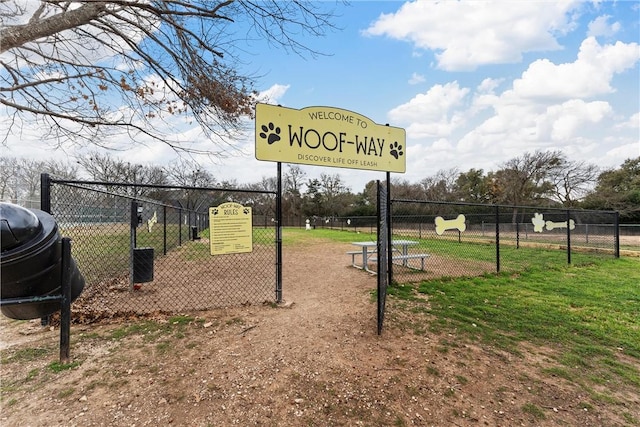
460, 239
146, 249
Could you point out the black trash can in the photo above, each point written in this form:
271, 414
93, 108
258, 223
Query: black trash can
142, 265
194, 233
31, 262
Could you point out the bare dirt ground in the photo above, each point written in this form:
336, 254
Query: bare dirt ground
315, 361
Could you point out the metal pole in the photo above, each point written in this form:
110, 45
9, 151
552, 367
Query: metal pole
617, 234
180, 227
164, 229
568, 237
132, 238
389, 231
45, 205
497, 239
381, 288
45, 192
65, 306
279, 235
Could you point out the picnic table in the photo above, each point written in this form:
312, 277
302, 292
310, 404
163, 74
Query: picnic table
368, 250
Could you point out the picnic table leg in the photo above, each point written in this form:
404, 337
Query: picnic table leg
365, 261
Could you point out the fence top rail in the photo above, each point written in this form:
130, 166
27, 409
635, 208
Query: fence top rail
130, 197
159, 186
488, 205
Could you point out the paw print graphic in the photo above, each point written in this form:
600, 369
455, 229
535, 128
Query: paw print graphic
246, 211
396, 150
538, 222
270, 132
215, 211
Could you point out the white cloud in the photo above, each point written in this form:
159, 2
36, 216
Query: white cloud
433, 104
467, 34
430, 113
519, 118
590, 75
566, 119
273, 94
632, 123
417, 79
601, 27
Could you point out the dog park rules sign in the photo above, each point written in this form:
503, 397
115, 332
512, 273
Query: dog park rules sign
231, 229
328, 136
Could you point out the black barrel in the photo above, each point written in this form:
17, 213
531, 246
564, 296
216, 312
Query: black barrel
31, 261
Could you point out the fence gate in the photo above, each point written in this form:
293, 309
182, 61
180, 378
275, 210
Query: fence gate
145, 249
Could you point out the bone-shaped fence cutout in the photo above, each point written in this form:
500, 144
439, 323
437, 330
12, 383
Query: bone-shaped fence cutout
443, 225
551, 225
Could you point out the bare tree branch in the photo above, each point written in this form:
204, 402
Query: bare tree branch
85, 70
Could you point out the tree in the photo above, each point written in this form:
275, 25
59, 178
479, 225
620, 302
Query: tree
618, 189
187, 173
440, 187
312, 201
9, 167
292, 190
20, 178
336, 196
572, 180
525, 179
84, 70
104, 168
473, 187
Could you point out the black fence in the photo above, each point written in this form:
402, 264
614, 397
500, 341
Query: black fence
472, 239
146, 249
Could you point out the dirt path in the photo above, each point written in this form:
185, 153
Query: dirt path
317, 361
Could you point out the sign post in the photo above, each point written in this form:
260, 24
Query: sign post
326, 136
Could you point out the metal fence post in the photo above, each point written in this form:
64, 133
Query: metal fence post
279, 235
179, 226
65, 306
164, 230
616, 232
497, 239
568, 237
132, 239
45, 192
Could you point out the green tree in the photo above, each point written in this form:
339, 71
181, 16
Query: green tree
473, 186
618, 189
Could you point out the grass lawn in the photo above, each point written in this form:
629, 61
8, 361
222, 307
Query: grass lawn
588, 314
589, 311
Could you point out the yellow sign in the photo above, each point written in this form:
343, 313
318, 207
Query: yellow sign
231, 229
327, 136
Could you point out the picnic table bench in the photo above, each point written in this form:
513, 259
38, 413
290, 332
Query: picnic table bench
369, 254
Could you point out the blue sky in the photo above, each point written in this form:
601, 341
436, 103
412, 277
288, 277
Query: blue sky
474, 83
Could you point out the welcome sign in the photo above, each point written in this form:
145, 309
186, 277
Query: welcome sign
328, 136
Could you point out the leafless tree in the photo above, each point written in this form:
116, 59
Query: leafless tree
572, 181
9, 167
293, 182
105, 168
89, 69
441, 186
